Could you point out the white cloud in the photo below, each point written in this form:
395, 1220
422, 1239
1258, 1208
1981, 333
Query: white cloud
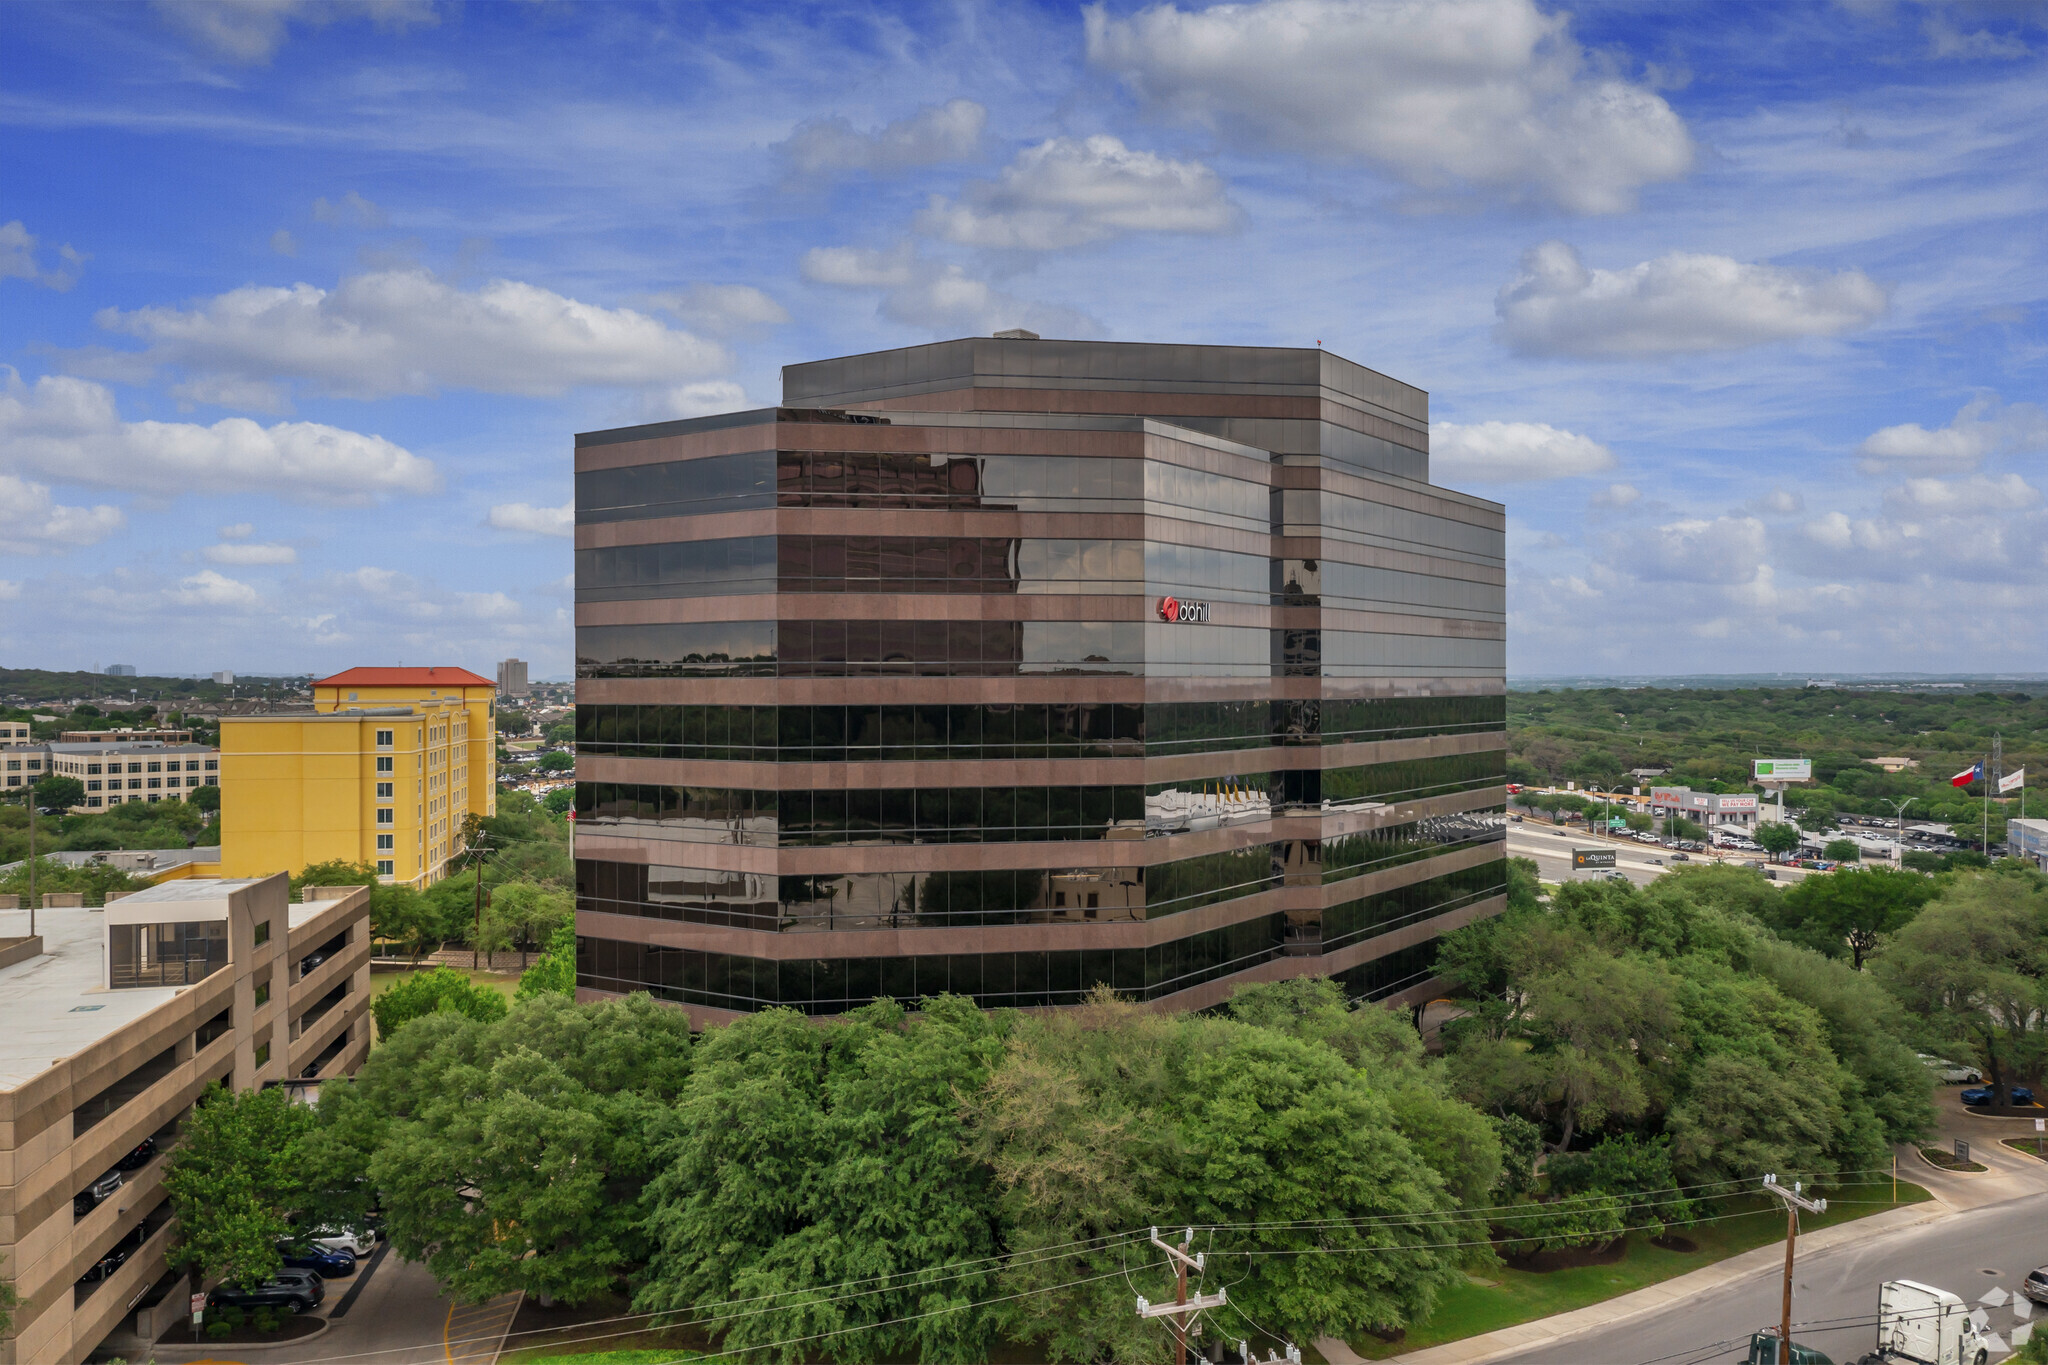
252, 554
1501, 452
486, 606
351, 208
69, 429
208, 588
692, 400
1617, 496
407, 332
250, 31
1961, 497
240, 530
722, 309
1068, 192
1779, 502
536, 521
1680, 302
829, 148
31, 520
1450, 96
10, 589
1697, 550
1982, 427
919, 292
18, 259
283, 243
1947, 42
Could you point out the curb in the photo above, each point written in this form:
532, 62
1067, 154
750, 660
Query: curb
1509, 1342
213, 1349
1950, 1170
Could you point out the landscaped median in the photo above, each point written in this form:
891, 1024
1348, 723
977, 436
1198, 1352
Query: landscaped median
1493, 1299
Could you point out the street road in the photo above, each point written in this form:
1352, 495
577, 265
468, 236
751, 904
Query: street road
1552, 850
1988, 1248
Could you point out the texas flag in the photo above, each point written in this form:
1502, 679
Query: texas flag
1967, 775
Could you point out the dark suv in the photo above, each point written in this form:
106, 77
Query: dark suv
295, 1291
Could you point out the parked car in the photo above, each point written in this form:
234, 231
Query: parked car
295, 1291
1985, 1094
309, 962
1951, 1073
325, 1262
95, 1194
2035, 1286
357, 1245
144, 1153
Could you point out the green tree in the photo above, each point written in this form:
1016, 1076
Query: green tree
430, 992
558, 801
1842, 851
554, 972
1110, 1117
402, 915
1970, 967
9, 1301
522, 914
555, 761
806, 1156
205, 800
232, 1182
1777, 839
1678, 827
1815, 816
562, 732
1855, 911
511, 1153
59, 792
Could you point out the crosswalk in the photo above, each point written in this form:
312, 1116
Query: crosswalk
475, 1332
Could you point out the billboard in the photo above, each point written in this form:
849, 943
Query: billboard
1592, 857
1784, 770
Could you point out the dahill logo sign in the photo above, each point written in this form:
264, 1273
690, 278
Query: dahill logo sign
1172, 609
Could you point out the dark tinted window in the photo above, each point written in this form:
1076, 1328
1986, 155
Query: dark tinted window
719, 483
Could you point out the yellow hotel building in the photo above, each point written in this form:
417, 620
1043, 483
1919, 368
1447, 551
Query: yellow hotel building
383, 772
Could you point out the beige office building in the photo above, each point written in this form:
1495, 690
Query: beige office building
111, 1024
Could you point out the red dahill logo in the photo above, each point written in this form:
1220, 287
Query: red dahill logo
1182, 613
1169, 609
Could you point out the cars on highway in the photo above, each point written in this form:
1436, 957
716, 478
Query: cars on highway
1985, 1094
295, 1291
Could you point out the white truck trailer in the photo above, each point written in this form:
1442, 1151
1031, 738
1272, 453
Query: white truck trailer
1918, 1324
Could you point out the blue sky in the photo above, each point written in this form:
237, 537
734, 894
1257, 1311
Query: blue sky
1739, 308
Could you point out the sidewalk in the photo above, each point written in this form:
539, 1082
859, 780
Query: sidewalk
1509, 1342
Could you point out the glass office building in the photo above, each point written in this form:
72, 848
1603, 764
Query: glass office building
1009, 667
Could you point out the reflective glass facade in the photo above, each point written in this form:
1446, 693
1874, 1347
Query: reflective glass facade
899, 657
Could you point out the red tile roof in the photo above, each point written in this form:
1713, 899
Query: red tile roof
404, 677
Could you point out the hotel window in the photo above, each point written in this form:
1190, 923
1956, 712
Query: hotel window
384, 738
92, 787
383, 764
155, 782
14, 782
14, 765
92, 801
212, 764
134, 767
134, 784
386, 817
384, 867
383, 791
191, 765
155, 766
212, 781
384, 843
35, 765
92, 769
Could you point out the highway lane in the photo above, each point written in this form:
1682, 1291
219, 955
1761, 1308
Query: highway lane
1972, 1254
1640, 863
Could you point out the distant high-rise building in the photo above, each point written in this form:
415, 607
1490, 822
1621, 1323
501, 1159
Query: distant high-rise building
120, 670
512, 678
224, 677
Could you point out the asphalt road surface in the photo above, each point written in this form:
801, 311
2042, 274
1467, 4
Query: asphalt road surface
1836, 1293
1640, 863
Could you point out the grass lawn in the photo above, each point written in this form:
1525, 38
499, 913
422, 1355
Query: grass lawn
1514, 1296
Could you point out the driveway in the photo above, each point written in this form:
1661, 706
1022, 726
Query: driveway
398, 1317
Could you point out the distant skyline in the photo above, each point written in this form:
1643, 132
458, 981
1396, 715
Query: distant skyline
1741, 309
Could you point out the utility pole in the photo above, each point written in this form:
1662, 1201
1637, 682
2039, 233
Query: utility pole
1183, 1311
1991, 776
1795, 1200
476, 852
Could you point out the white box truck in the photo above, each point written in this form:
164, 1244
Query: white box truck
1918, 1324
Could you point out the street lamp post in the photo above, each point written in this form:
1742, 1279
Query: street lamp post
1899, 809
